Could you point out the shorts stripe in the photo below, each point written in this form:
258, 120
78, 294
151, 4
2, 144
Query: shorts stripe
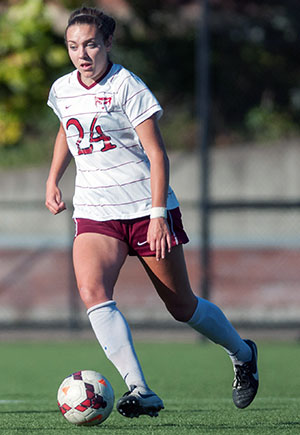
172, 228
76, 227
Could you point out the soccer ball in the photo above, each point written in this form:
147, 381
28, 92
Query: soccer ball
85, 398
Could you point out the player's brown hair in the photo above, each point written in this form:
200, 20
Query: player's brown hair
105, 24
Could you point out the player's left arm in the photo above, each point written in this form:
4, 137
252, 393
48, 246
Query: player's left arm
159, 236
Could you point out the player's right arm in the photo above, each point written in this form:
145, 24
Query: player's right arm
60, 161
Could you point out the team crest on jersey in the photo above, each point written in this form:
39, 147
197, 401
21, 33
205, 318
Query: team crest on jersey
103, 102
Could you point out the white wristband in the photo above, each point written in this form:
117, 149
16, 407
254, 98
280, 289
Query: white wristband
157, 212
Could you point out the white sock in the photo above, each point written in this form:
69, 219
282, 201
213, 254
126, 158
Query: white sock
210, 321
114, 336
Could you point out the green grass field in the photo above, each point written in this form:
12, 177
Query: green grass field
193, 379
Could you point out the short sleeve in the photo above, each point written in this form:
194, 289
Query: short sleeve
138, 102
52, 102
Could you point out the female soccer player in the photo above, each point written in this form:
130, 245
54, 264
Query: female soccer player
123, 205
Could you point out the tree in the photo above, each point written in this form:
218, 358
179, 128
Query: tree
255, 73
31, 56
255, 68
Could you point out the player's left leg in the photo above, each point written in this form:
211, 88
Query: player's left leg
171, 281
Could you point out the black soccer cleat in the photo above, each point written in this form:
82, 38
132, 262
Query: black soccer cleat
139, 402
245, 383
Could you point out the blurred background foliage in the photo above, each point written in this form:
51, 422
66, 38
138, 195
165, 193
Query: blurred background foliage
254, 68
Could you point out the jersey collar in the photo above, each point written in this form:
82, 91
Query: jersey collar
97, 81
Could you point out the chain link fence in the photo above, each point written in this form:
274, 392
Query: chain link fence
249, 262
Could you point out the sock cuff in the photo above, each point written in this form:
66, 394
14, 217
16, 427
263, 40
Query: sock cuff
195, 317
203, 308
98, 306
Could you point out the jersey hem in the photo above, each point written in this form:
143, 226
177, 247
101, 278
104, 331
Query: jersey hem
118, 218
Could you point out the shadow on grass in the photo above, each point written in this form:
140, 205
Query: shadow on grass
141, 426
30, 412
202, 411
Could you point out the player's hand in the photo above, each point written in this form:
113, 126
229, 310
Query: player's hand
54, 201
159, 237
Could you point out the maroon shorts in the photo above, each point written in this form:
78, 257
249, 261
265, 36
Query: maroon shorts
133, 231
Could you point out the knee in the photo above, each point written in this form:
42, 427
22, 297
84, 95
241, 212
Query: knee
91, 296
182, 311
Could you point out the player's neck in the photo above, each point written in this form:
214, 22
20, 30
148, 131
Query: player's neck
90, 82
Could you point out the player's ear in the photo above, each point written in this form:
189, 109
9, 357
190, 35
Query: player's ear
108, 43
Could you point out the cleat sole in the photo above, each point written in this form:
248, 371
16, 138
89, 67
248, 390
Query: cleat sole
131, 408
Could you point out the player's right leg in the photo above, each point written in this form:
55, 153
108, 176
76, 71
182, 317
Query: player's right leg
97, 262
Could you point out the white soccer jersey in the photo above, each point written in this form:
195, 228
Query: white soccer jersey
112, 169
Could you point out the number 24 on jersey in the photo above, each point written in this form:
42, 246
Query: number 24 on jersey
96, 135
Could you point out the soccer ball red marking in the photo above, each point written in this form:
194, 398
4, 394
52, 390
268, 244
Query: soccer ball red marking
85, 398
64, 408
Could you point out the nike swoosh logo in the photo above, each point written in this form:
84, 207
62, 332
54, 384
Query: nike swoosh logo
142, 243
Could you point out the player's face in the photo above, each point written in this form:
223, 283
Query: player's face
87, 51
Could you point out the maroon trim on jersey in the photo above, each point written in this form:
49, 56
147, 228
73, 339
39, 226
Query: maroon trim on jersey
97, 81
112, 167
113, 185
